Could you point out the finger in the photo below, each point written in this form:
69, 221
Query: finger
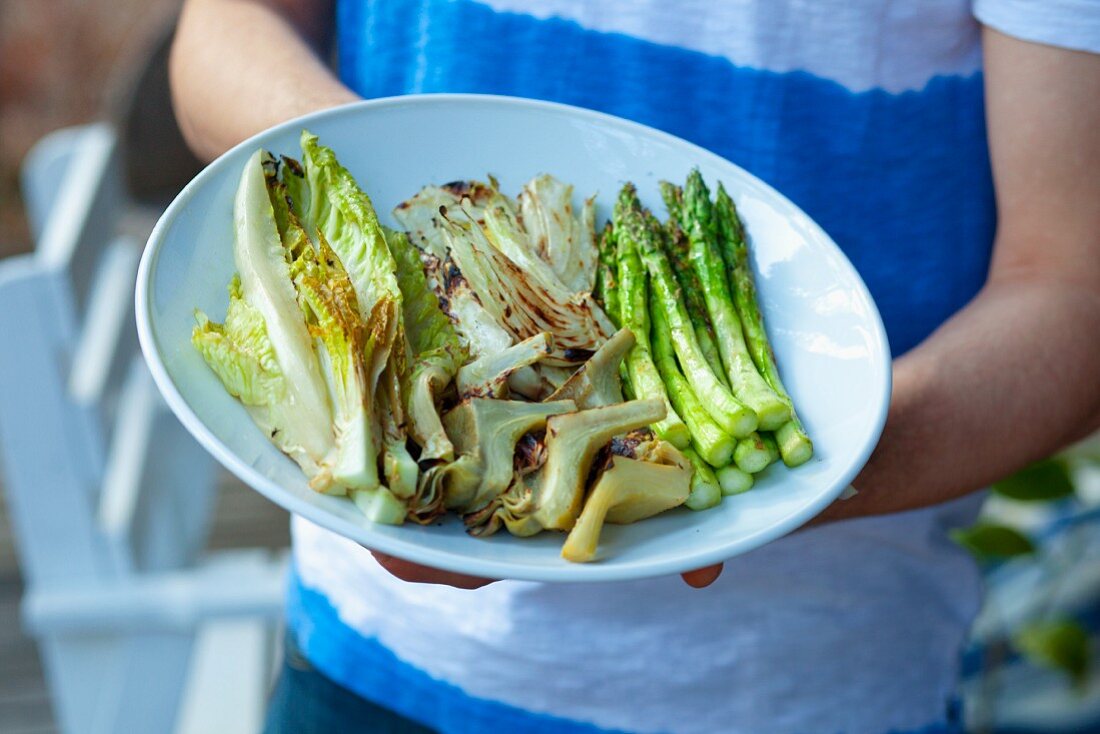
417, 574
702, 577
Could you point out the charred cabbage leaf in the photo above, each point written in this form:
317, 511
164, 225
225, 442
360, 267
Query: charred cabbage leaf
489, 376
264, 352
491, 276
559, 238
341, 213
436, 352
420, 216
330, 308
523, 306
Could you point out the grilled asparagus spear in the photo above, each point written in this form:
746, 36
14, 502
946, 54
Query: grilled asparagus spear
636, 228
795, 446
713, 444
607, 277
645, 380
705, 256
689, 282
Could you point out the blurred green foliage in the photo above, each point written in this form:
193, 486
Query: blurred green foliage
1062, 644
990, 542
1043, 481
1050, 641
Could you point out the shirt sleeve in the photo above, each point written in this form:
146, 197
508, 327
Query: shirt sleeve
1073, 24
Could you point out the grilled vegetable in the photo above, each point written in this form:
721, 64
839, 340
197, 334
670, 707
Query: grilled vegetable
641, 230
476, 328
751, 454
338, 212
771, 445
706, 490
597, 382
383, 363
794, 445
523, 306
626, 491
264, 352
485, 433
645, 380
607, 276
559, 238
307, 335
435, 350
690, 288
488, 376
571, 442
551, 497
489, 269
734, 480
713, 444
747, 384
499, 221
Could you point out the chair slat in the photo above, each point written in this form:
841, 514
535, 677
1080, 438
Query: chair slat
158, 489
52, 449
108, 338
85, 211
44, 165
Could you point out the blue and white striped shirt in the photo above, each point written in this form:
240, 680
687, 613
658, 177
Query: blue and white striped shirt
869, 115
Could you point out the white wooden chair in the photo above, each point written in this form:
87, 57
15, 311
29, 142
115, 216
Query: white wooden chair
110, 499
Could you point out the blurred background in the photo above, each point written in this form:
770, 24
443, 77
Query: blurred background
55, 74
140, 586
77, 78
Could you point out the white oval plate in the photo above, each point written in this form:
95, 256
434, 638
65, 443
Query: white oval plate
825, 328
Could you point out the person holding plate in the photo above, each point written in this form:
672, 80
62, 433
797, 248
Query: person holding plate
950, 148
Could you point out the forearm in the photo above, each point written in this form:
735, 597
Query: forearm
240, 66
1010, 379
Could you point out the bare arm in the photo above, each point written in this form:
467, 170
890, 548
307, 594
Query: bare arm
1009, 379
241, 66
1015, 375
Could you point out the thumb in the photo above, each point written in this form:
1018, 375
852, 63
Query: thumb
702, 577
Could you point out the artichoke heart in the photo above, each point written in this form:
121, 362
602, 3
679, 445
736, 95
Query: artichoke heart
598, 382
572, 441
628, 490
485, 432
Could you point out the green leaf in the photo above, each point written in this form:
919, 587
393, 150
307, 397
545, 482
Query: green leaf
349, 235
435, 349
240, 352
1043, 481
1061, 644
990, 542
264, 352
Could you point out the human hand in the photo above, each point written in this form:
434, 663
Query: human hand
417, 574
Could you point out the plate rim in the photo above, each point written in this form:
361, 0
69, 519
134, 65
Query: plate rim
410, 549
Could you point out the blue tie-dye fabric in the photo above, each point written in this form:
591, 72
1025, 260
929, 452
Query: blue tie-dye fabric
901, 181
368, 668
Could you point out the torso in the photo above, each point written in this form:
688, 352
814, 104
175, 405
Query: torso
869, 115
